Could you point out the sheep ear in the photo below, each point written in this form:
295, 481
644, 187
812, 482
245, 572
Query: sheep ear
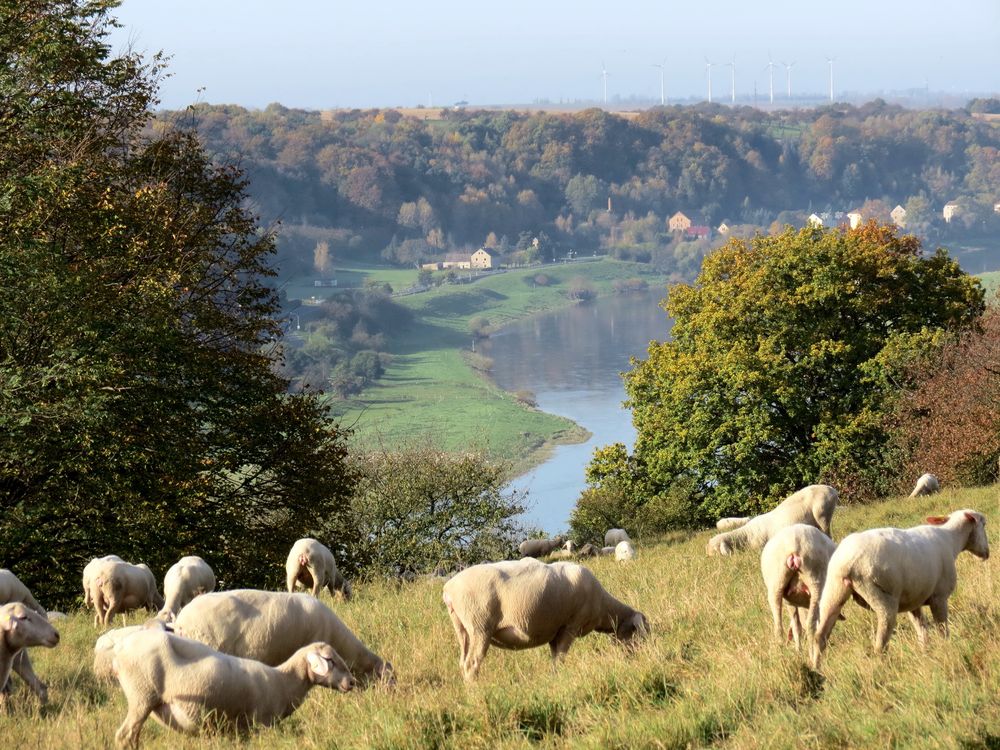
317, 664
937, 520
8, 623
971, 518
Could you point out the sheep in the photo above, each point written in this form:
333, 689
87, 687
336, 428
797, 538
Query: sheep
186, 684
12, 590
927, 484
269, 625
812, 505
570, 546
187, 578
728, 524
21, 627
104, 648
589, 550
312, 564
540, 547
899, 570
88, 573
607, 550
793, 565
613, 536
525, 603
121, 587
624, 551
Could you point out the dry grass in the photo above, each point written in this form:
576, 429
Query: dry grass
709, 676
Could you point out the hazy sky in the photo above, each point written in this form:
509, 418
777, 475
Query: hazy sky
315, 54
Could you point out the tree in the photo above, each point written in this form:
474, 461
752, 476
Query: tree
583, 193
140, 411
784, 363
322, 261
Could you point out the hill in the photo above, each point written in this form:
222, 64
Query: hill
709, 675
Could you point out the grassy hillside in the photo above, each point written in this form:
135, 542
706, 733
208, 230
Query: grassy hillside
431, 391
709, 675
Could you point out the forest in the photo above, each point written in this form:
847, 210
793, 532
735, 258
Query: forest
378, 185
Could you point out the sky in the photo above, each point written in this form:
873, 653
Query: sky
385, 53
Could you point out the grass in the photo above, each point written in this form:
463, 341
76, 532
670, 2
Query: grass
709, 676
432, 391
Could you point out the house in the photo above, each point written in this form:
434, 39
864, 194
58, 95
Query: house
482, 258
855, 218
435, 266
723, 229
898, 215
996, 208
456, 260
814, 220
951, 209
698, 231
679, 222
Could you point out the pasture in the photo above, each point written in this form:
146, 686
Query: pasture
709, 676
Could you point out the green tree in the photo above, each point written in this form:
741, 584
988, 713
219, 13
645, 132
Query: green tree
140, 412
784, 364
583, 193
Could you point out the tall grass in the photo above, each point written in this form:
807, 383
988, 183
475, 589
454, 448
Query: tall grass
709, 675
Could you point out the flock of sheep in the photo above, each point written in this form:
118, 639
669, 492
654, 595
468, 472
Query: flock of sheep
248, 657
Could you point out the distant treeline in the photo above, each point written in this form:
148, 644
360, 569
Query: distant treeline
375, 182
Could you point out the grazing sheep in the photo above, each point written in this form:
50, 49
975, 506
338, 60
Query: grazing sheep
624, 551
20, 628
613, 536
104, 648
88, 573
12, 590
728, 524
589, 550
607, 550
540, 547
900, 570
187, 578
570, 546
524, 603
311, 564
928, 484
186, 684
812, 505
793, 565
121, 587
269, 626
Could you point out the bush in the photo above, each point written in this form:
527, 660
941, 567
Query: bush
480, 327
526, 397
580, 289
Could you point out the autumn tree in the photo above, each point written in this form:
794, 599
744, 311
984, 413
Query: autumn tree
783, 365
322, 261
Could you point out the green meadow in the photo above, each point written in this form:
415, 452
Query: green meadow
709, 675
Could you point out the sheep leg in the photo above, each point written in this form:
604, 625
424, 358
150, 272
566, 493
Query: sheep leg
920, 626
775, 599
560, 645
886, 609
836, 592
796, 624
22, 665
128, 733
317, 586
463, 639
479, 643
290, 580
939, 611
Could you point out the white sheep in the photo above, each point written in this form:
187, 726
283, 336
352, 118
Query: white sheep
540, 547
121, 587
524, 603
104, 648
12, 590
900, 570
793, 564
927, 484
812, 505
624, 551
88, 573
20, 628
613, 536
728, 524
311, 564
269, 626
187, 578
186, 684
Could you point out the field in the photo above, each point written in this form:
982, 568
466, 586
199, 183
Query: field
431, 391
709, 676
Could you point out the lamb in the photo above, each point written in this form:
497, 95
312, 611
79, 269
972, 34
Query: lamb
927, 484
793, 565
613, 536
525, 603
269, 626
21, 627
900, 570
88, 573
187, 578
186, 684
812, 505
121, 587
540, 547
728, 524
312, 564
12, 590
624, 551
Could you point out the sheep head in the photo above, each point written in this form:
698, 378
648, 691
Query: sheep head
22, 627
326, 668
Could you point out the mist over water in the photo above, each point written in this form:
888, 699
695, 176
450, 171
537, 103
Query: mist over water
571, 360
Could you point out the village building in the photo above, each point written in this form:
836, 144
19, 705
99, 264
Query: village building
898, 215
855, 218
679, 222
951, 210
723, 229
814, 220
482, 258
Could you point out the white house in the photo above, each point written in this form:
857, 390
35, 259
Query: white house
482, 258
814, 220
855, 218
951, 210
898, 215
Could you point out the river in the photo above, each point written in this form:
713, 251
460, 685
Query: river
571, 360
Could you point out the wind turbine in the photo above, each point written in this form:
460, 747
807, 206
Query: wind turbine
604, 75
708, 66
662, 66
732, 91
770, 76
788, 76
830, 61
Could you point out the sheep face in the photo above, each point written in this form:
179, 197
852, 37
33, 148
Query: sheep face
978, 544
22, 627
635, 626
326, 668
718, 546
